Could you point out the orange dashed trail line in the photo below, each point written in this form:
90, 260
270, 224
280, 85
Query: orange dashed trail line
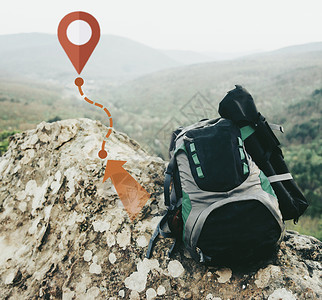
79, 82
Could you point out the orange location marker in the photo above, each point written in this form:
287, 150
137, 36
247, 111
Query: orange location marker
78, 49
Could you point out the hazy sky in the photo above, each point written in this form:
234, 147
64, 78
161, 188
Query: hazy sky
200, 25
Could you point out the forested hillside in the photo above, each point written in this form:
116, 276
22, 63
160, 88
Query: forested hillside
303, 153
276, 80
303, 146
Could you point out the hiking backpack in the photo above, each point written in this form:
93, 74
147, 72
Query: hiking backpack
217, 188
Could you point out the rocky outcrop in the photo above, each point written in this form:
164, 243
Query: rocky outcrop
64, 233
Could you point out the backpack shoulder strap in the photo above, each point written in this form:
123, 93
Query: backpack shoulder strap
159, 230
170, 200
167, 180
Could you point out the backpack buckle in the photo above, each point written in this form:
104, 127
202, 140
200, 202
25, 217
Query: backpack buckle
166, 172
201, 256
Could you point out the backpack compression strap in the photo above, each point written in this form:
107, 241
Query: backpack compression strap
167, 181
159, 230
280, 177
156, 233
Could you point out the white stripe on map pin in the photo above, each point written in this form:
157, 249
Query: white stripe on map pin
79, 53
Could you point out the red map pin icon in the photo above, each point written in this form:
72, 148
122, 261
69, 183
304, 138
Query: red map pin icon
78, 53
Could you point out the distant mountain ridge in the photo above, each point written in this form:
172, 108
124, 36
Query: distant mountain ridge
301, 48
40, 56
292, 72
194, 57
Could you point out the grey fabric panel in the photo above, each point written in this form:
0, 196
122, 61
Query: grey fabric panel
200, 199
204, 202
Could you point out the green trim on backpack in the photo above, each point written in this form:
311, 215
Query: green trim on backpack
200, 173
242, 154
186, 209
245, 168
240, 142
266, 186
195, 159
246, 131
181, 147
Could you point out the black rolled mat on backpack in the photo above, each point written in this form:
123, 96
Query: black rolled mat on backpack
263, 146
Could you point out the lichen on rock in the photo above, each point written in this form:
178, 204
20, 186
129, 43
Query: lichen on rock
65, 235
175, 268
